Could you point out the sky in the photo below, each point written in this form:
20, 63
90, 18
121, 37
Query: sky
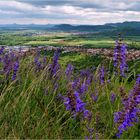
93, 12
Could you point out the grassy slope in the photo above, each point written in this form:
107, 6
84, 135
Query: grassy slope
29, 107
26, 112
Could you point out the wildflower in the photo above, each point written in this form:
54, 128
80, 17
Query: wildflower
112, 97
12, 55
7, 65
102, 75
116, 55
37, 62
44, 60
120, 64
74, 103
83, 88
80, 105
69, 70
1, 50
91, 132
56, 56
76, 83
123, 65
54, 67
85, 73
40, 64
129, 114
87, 115
60, 97
81, 85
89, 79
94, 96
15, 69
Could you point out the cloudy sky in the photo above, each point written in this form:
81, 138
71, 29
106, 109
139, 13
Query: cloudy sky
68, 11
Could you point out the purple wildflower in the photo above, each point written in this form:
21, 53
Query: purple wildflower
123, 65
12, 55
74, 103
120, 58
129, 114
94, 96
69, 70
7, 65
81, 84
56, 56
102, 75
1, 50
87, 115
83, 88
67, 103
54, 67
80, 105
60, 97
75, 83
85, 73
15, 69
91, 132
37, 62
116, 55
89, 79
44, 60
40, 64
112, 97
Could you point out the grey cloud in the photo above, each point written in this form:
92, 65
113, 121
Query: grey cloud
43, 3
103, 5
83, 11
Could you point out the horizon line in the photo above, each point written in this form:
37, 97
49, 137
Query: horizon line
66, 23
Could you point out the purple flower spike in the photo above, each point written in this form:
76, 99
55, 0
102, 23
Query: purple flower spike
69, 70
120, 64
74, 103
129, 114
112, 97
54, 67
15, 69
123, 65
1, 50
102, 75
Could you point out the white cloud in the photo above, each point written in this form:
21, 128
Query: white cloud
9, 12
17, 5
112, 11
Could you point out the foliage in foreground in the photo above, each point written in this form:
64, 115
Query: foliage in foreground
41, 99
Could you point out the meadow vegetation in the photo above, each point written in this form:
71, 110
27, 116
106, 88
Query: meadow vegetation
55, 95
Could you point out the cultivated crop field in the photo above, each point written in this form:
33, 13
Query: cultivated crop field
89, 40
57, 95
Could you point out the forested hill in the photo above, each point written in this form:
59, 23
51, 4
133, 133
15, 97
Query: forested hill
131, 28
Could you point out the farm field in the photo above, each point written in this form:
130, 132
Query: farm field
89, 40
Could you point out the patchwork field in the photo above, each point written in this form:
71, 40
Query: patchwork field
88, 40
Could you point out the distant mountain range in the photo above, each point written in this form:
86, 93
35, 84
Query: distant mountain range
131, 28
